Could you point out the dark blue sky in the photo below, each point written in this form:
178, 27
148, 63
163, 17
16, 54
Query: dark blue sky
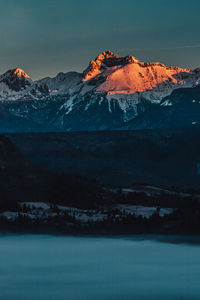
46, 36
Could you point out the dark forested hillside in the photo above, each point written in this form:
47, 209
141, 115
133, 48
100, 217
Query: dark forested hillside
22, 180
120, 158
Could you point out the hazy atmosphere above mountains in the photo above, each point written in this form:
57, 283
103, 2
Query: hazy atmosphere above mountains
46, 37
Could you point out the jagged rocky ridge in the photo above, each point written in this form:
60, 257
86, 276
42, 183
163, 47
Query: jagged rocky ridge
112, 93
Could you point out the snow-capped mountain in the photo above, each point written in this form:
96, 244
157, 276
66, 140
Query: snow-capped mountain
62, 83
17, 85
115, 90
112, 93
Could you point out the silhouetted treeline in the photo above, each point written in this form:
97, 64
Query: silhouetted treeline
184, 220
162, 199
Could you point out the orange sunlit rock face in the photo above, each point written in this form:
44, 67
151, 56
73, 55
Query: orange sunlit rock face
20, 73
129, 75
138, 78
106, 60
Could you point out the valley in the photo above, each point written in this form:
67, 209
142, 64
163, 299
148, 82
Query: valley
119, 158
100, 182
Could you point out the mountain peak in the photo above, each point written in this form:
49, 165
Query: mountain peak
16, 79
110, 59
14, 74
106, 55
19, 73
105, 60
